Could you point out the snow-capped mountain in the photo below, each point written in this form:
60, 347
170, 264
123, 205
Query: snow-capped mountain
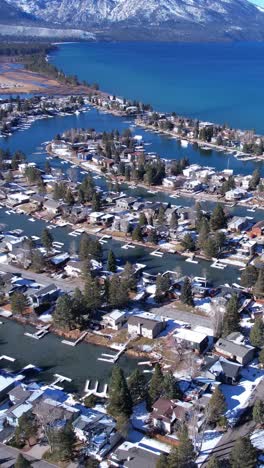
171, 18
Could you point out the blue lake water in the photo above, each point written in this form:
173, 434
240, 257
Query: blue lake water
215, 82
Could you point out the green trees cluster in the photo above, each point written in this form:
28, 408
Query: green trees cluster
258, 412
182, 456
244, 454
162, 384
86, 189
90, 248
257, 333
162, 287
217, 408
47, 239
120, 401
26, 429
19, 303
231, 317
186, 293
62, 442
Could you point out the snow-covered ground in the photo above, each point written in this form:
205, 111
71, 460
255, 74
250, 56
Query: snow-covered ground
238, 396
211, 439
140, 417
257, 439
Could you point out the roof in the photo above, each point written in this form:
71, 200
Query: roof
45, 290
149, 323
233, 348
190, 335
51, 204
133, 456
19, 394
115, 315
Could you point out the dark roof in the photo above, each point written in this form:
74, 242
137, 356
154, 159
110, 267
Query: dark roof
136, 457
148, 323
46, 290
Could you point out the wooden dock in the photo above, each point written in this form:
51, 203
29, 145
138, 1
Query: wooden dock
40, 333
75, 343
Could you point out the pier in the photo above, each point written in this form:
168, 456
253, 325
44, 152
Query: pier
58, 380
105, 239
7, 358
113, 358
74, 343
94, 391
40, 333
157, 253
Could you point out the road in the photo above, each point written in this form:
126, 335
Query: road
224, 447
68, 284
172, 311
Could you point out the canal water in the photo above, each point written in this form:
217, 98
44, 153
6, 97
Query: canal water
52, 357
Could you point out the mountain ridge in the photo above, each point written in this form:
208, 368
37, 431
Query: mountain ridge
174, 19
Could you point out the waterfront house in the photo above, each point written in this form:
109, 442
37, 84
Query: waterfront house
144, 325
235, 194
46, 294
257, 230
52, 206
237, 224
115, 320
98, 432
236, 351
165, 412
194, 340
96, 216
125, 203
18, 198
170, 182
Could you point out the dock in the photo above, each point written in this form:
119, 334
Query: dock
94, 391
7, 358
75, 343
40, 333
58, 380
217, 264
157, 253
113, 358
105, 239
128, 246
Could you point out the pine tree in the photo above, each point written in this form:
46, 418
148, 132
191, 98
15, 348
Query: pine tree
19, 303
182, 456
213, 463
92, 293
26, 428
188, 242
96, 202
258, 412
111, 262
137, 234
137, 385
63, 316
69, 198
204, 231
21, 462
255, 179
84, 247
210, 247
218, 218
249, 276
217, 406
162, 461
257, 333
118, 292
261, 357
174, 221
47, 239
170, 388
156, 384
38, 262
162, 287
128, 277
259, 286
244, 454
120, 401
186, 293
153, 237
231, 318
142, 220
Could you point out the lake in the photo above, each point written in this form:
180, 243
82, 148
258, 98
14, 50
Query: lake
215, 82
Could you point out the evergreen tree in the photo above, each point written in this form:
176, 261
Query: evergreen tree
261, 357
186, 293
38, 261
217, 406
213, 463
204, 231
210, 248
249, 276
142, 220
137, 234
128, 277
161, 215
69, 198
255, 180
26, 428
156, 384
63, 316
170, 388
22, 462
62, 442
120, 401
258, 412
218, 218
19, 303
84, 247
244, 454
220, 240
259, 286
153, 237
92, 293
47, 239
231, 318
174, 221
111, 262
188, 242
96, 202
137, 385
162, 461
118, 292
257, 333
182, 456
162, 287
